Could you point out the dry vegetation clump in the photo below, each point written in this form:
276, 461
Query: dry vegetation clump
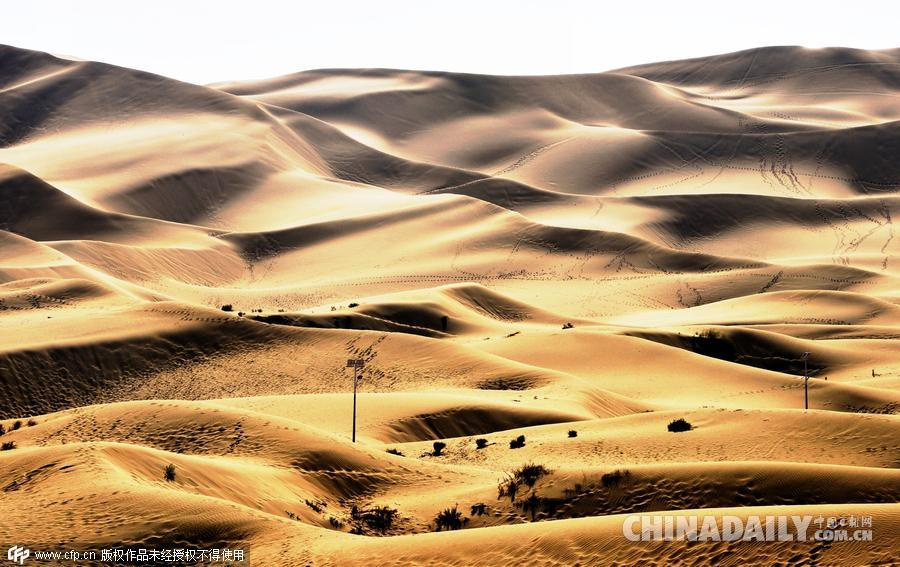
527, 475
479, 509
378, 518
615, 478
449, 519
679, 425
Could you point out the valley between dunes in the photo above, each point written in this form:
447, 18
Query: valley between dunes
579, 260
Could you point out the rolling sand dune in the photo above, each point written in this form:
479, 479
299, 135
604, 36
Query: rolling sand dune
579, 260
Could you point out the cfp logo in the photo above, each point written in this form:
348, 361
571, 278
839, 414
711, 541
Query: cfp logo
18, 554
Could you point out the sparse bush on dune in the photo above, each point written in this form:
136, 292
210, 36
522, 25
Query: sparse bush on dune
2, 429
169, 472
507, 487
573, 433
352, 305
568, 326
228, 307
8, 446
450, 519
439, 447
316, 505
335, 522
529, 473
379, 518
32, 423
479, 509
393, 451
679, 425
517, 443
481, 443
615, 478
17, 424
711, 334
532, 504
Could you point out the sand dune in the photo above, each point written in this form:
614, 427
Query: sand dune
579, 260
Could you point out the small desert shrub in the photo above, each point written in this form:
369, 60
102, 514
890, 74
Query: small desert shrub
352, 305
481, 443
679, 425
451, 519
711, 334
532, 504
508, 487
393, 451
228, 307
316, 505
614, 478
8, 446
17, 424
517, 443
169, 472
32, 423
291, 515
2, 429
479, 509
529, 473
335, 523
573, 433
567, 325
379, 518
439, 447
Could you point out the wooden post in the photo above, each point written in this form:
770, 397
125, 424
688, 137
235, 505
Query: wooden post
805, 381
356, 364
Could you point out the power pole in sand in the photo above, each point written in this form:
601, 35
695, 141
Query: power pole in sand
357, 365
805, 381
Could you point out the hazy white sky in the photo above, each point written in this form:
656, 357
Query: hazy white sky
203, 41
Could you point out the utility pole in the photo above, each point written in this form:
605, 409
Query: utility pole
356, 364
805, 381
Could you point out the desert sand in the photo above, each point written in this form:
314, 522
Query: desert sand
185, 271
